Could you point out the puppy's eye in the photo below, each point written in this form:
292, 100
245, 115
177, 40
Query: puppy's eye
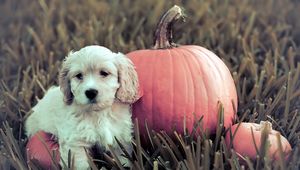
79, 76
104, 73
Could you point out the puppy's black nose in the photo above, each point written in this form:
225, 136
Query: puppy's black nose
91, 94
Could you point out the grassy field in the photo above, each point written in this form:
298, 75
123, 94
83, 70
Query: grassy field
258, 40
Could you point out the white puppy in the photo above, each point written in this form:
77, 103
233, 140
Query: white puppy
91, 105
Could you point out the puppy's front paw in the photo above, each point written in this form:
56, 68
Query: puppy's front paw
80, 163
78, 153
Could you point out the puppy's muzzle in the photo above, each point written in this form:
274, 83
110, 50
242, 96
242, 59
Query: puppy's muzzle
91, 94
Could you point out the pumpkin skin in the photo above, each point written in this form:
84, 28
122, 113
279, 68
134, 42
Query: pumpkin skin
182, 81
243, 141
36, 149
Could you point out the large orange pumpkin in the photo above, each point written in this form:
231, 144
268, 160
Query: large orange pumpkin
181, 81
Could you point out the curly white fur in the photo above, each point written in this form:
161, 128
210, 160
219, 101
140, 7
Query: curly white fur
79, 121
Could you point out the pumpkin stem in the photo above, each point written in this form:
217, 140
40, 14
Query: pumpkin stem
266, 125
163, 34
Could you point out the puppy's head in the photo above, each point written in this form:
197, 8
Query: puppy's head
95, 77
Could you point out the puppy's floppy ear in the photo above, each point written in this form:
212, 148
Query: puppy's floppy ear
64, 83
128, 79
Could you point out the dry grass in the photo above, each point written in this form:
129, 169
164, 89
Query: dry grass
258, 40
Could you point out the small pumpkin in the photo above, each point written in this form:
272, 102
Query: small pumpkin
44, 149
247, 140
181, 82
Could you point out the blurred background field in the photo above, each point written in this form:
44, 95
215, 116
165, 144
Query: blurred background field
258, 40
